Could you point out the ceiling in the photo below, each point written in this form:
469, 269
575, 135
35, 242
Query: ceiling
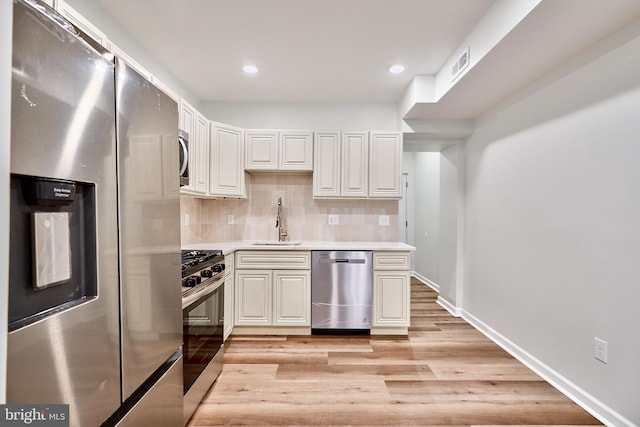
306, 50
340, 50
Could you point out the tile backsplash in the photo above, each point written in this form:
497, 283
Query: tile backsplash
305, 218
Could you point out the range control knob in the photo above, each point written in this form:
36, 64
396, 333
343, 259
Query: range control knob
218, 268
206, 273
193, 281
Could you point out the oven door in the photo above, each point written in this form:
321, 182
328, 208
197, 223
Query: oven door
203, 326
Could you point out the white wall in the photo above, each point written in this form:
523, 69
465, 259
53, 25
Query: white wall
6, 21
321, 116
427, 215
552, 220
448, 225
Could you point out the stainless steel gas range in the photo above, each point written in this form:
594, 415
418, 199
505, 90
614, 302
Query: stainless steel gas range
203, 323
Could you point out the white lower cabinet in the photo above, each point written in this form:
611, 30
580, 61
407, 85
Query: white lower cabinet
391, 305
291, 298
273, 297
391, 292
253, 297
229, 296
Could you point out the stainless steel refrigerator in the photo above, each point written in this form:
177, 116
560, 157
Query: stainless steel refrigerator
94, 295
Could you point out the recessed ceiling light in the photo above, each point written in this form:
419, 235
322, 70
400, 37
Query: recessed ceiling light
250, 69
396, 69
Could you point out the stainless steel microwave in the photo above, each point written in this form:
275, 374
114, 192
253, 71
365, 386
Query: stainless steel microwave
183, 140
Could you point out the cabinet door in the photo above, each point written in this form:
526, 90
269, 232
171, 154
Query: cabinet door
253, 297
261, 149
291, 298
385, 163
199, 179
326, 165
295, 151
355, 168
226, 173
391, 298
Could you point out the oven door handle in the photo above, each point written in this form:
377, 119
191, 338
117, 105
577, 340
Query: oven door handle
201, 293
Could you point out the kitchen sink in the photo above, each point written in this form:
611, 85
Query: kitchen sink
275, 243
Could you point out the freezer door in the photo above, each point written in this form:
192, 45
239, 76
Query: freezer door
161, 406
149, 228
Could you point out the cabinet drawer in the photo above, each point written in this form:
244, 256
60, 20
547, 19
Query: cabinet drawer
391, 260
273, 259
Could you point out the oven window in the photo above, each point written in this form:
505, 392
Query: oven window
203, 326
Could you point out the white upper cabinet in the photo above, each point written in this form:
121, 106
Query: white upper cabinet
226, 154
326, 165
261, 147
355, 164
295, 151
199, 180
273, 150
385, 165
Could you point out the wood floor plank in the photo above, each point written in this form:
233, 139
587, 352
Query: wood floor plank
375, 414
445, 373
345, 373
437, 391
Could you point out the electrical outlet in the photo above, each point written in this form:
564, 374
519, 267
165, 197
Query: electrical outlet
383, 219
600, 349
230, 219
334, 220
186, 219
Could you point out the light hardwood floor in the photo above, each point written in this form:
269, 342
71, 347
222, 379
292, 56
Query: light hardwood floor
444, 373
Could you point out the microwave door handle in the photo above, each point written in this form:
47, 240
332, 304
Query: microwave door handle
185, 156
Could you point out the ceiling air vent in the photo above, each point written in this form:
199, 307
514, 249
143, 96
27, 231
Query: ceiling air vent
461, 63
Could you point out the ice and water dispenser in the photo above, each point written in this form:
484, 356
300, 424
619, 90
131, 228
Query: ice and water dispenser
53, 247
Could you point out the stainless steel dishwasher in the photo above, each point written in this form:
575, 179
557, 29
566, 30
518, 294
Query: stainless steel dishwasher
341, 291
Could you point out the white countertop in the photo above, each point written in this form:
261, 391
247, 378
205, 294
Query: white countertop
305, 245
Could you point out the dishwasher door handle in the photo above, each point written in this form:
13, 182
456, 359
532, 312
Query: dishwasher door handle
348, 261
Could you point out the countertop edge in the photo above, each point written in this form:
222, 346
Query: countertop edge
321, 245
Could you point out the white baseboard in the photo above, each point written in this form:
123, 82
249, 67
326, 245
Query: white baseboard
602, 412
452, 309
428, 282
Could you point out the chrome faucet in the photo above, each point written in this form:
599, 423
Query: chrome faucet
282, 234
